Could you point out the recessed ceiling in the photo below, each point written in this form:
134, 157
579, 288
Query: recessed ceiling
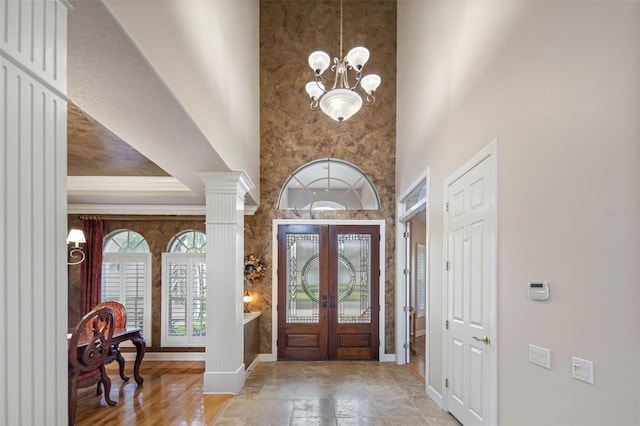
93, 150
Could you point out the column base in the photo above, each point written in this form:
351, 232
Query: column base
224, 382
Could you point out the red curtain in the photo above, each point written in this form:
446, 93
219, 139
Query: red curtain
92, 266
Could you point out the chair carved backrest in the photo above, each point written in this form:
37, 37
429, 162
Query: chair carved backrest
120, 312
96, 328
89, 346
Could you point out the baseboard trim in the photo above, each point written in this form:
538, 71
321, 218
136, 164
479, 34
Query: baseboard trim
267, 357
166, 356
224, 382
435, 396
420, 333
387, 357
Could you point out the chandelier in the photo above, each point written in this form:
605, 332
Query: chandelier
342, 100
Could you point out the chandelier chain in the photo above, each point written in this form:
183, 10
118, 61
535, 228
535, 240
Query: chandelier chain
341, 30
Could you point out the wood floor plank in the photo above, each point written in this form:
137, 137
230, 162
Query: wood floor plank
171, 394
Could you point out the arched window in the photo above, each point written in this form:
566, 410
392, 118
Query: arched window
328, 184
190, 241
126, 276
125, 241
184, 290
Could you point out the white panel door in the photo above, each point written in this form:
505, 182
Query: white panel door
470, 238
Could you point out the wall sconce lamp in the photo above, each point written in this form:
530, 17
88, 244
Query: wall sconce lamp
76, 236
246, 299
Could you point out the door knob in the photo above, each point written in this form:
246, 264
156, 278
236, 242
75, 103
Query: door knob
483, 339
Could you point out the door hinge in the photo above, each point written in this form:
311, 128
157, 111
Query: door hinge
406, 235
446, 324
447, 206
406, 272
447, 265
405, 346
406, 309
446, 383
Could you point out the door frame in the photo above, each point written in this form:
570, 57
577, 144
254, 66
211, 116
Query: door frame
382, 356
490, 151
402, 262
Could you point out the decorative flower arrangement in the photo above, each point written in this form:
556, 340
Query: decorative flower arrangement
254, 268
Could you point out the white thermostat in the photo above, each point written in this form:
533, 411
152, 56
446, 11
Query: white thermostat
538, 290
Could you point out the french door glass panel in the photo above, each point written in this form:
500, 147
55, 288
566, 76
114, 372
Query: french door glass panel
303, 278
354, 289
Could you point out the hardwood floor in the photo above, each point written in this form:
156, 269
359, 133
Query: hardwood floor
276, 393
417, 360
170, 395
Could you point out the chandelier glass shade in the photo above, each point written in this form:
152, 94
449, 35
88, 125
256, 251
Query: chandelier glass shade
342, 100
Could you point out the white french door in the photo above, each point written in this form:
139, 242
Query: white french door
470, 235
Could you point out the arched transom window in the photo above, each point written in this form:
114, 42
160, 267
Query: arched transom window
125, 241
328, 184
190, 241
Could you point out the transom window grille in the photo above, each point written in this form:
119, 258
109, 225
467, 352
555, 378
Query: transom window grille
328, 184
126, 277
125, 241
190, 241
184, 290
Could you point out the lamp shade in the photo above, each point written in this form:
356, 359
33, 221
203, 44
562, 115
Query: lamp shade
340, 104
319, 61
76, 236
314, 89
357, 57
370, 83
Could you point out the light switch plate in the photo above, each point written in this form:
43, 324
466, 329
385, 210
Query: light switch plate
540, 356
582, 369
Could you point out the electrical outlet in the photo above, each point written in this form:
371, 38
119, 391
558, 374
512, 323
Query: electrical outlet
582, 369
540, 356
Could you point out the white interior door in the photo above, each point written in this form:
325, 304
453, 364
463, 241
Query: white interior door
471, 278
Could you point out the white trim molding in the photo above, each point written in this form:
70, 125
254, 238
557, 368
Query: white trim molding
126, 185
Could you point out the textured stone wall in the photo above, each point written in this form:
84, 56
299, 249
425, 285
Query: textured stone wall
157, 231
292, 135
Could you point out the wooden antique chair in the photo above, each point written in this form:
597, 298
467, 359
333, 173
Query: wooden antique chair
89, 346
120, 321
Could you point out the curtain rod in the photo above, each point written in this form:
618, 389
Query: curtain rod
141, 217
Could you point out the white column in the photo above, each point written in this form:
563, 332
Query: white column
33, 212
224, 369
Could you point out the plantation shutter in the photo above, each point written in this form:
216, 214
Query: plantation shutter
184, 299
126, 279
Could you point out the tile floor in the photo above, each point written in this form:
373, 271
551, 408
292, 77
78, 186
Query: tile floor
333, 393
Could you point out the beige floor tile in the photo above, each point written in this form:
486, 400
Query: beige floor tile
334, 393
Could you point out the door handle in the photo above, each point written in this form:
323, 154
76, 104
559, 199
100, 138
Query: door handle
483, 339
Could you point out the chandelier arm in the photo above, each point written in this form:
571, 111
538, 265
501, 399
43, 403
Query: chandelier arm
337, 68
319, 83
370, 99
314, 105
358, 77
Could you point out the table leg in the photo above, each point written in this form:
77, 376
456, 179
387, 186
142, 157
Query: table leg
141, 347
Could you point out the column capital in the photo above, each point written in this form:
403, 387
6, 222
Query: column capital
236, 182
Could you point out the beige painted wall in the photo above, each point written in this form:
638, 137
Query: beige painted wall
557, 84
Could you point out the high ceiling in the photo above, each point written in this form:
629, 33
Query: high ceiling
160, 91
